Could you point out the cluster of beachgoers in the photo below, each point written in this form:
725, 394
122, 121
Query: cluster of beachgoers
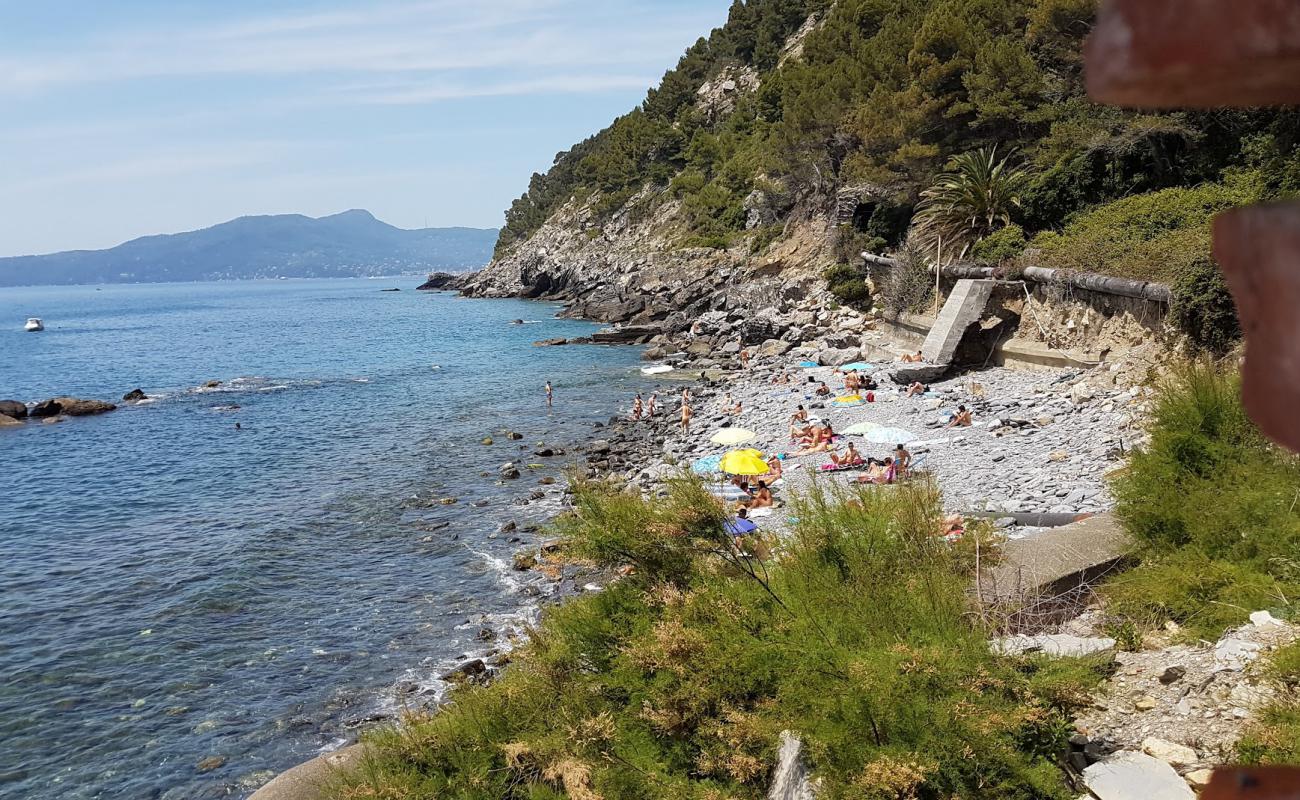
1005, 444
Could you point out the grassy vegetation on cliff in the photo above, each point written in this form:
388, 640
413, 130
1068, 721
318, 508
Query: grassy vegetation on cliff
676, 681
1216, 508
884, 93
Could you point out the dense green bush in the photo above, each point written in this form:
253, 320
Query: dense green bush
676, 681
886, 93
849, 285
1215, 507
1203, 308
1155, 236
1001, 246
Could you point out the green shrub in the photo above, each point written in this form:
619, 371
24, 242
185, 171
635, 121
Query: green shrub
1214, 506
1274, 737
849, 286
1203, 308
909, 286
1002, 245
1154, 236
676, 681
763, 238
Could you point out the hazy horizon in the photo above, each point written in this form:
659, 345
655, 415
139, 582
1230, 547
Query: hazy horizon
215, 223
142, 118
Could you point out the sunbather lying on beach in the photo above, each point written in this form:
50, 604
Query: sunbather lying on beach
774, 468
818, 432
916, 359
916, 389
819, 441
962, 419
878, 474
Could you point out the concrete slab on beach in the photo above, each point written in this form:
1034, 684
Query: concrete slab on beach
1060, 558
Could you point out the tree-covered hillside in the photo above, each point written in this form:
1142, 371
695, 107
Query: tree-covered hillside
883, 95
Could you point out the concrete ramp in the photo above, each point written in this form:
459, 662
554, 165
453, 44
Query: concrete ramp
965, 306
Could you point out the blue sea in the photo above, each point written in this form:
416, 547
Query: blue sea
245, 575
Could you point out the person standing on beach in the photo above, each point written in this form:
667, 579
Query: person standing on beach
686, 414
548, 394
636, 407
744, 359
650, 405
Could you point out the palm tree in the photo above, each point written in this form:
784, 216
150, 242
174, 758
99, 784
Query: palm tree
972, 198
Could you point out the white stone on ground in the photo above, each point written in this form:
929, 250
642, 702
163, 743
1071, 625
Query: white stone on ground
1130, 775
1057, 645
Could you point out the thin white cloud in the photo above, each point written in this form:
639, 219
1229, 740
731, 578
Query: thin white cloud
422, 37
159, 164
420, 93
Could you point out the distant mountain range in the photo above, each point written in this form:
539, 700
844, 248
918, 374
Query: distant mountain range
350, 244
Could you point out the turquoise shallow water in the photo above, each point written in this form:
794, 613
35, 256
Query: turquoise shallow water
172, 588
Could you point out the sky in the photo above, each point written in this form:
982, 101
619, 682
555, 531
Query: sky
124, 118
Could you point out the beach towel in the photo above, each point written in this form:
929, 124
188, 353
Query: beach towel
830, 467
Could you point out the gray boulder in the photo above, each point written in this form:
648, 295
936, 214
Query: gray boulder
838, 357
76, 407
13, 409
912, 373
843, 341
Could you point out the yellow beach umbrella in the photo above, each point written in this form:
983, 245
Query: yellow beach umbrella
743, 462
729, 436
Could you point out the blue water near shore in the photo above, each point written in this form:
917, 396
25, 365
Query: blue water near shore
172, 588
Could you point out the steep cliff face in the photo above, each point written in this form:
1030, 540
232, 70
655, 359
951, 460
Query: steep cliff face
634, 270
636, 264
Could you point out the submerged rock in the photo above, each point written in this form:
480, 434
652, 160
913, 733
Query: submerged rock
135, 396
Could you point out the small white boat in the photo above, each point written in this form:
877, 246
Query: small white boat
34, 324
